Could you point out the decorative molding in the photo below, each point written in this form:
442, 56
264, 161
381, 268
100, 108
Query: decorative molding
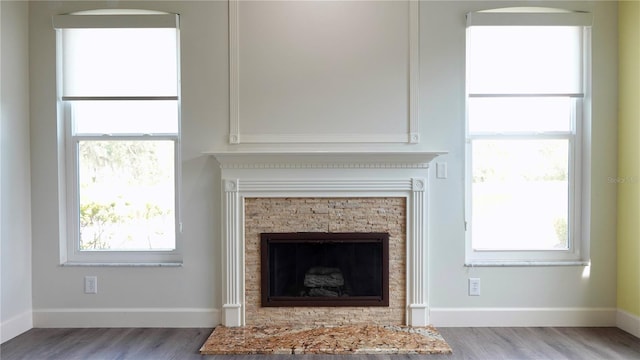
311, 187
412, 136
125, 317
233, 314
517, 317
328, 138
233, 256
418, 315
628, 322
418, 184
234, 73
325, 160
231, 185
350, 174
233, 241
414, 71
417, 253
15, 326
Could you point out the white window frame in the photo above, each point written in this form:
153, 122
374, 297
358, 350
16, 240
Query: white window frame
579, 138
70, 253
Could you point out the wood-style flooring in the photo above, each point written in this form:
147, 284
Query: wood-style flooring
183, 344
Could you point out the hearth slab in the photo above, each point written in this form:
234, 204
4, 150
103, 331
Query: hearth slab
345, 339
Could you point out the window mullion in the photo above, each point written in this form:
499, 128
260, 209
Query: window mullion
119, 98
125, 137
526, 95
521, 136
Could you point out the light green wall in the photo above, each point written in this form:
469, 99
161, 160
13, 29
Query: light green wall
629, 158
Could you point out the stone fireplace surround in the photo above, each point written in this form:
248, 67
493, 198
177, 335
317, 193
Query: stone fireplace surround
317, 175
361, 215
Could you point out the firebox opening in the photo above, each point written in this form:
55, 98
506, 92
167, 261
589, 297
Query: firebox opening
325, 269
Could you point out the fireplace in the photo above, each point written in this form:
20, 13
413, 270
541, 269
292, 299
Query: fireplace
324, 269
275, 215
324, 191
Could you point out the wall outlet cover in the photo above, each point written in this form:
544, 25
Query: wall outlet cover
474, 286
90, 284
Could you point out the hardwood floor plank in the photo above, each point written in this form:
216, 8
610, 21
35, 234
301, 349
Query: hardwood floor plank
183, 344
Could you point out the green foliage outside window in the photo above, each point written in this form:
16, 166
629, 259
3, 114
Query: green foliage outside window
126, 195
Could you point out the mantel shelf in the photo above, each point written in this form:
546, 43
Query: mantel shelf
325, 159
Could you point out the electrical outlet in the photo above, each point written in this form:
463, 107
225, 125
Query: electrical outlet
474, 286
441, 170
90, 284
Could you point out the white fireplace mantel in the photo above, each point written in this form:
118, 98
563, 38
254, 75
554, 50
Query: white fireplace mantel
324, 174
324, 159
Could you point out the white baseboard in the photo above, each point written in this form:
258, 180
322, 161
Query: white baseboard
628, 322
16, 326
125, 317
193, 317
522, 317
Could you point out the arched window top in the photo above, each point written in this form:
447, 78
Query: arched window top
116, 18
526, 9
119, 12
529, 16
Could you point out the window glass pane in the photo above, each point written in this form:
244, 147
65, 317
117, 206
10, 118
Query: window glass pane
125, 117
127, 195
520, 194
120, 62
524, 59
520, 114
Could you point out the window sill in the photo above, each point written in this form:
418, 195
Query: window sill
510, 263
117, 264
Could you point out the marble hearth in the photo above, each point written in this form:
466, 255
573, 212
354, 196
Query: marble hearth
394, 184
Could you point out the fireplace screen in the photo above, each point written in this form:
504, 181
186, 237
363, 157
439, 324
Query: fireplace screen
325, 269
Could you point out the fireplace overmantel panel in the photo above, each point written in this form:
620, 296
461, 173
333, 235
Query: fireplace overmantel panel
324, 174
